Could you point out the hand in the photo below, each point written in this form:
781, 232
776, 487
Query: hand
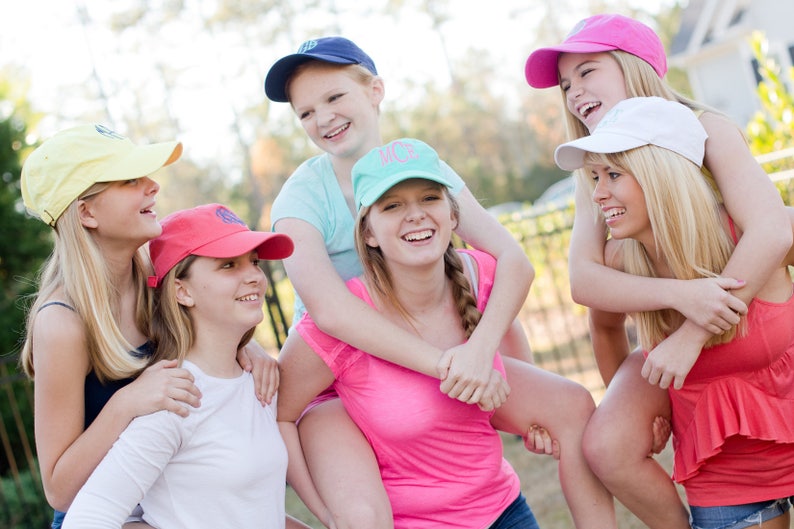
254, 359
465, 373
496, 392
709, 303
162, 386
661, 434
670, 362
539, 441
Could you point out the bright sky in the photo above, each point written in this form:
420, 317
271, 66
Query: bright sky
46, 37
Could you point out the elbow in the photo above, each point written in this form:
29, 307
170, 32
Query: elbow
326, 318
57, 500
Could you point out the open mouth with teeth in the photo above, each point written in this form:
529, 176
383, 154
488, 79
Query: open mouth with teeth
417, 236
614, 213
589, 108
337, 132
249, 297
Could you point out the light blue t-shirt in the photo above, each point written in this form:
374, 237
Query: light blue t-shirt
312, 194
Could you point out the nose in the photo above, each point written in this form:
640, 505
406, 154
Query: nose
600, 192
325, 115
415, 212
152, 187
574, 91
256, 275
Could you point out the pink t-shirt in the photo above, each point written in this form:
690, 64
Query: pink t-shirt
441, 460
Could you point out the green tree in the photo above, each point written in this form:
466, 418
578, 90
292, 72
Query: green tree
772, 127
26, 242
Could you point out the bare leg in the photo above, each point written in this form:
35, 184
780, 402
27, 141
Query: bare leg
618, 440
563, 407
344, 469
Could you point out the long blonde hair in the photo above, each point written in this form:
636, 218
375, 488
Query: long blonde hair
173, 329
77, 267
684, 214
377, 275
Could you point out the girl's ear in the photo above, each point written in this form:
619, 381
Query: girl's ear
370, 239
86, 214
183, 296
378, 90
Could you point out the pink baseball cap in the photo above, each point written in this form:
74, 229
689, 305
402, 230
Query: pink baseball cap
211, 230
595, 34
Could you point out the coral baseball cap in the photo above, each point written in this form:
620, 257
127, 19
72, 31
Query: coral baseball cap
383, 167
67, 164
636, 122
211, 230
595, 34
336, 50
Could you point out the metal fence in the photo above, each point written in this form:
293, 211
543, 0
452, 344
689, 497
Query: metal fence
556, 327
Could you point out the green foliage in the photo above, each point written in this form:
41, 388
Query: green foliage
772, 127
21, 502
27, 242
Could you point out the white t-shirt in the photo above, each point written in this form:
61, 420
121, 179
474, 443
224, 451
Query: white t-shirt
222, 466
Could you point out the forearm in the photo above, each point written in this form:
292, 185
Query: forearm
610, 343
512, 279
76, 464
355, 322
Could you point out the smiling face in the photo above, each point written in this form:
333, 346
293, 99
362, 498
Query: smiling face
122, 214
337, 108
226, 293
593, 83
411, 223
621, 200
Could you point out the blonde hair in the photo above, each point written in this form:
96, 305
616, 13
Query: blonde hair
684, 214
376, 272
78, 268
172, 327
357, 72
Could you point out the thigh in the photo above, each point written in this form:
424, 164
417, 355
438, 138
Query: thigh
540, 397
340, 460
626, 413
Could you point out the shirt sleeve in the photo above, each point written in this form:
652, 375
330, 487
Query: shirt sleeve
126, 473
454, 178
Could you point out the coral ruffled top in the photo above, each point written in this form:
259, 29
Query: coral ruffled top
733, 420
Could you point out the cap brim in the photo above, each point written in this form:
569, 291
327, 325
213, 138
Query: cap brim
570, 156
373, 194
540, 69
267, 245
276, 78
144, 160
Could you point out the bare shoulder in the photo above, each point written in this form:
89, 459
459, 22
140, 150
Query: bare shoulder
59, 338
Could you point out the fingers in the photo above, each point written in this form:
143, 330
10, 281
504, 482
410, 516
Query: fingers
443, 365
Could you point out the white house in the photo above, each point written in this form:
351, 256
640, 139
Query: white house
712, 47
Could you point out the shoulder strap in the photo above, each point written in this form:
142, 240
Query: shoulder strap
59, 303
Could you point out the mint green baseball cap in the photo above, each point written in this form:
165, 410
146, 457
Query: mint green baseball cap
384, 167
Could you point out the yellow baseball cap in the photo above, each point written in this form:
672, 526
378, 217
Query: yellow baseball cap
65, 165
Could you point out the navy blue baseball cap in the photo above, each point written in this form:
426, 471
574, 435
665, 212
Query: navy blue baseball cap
336, 50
